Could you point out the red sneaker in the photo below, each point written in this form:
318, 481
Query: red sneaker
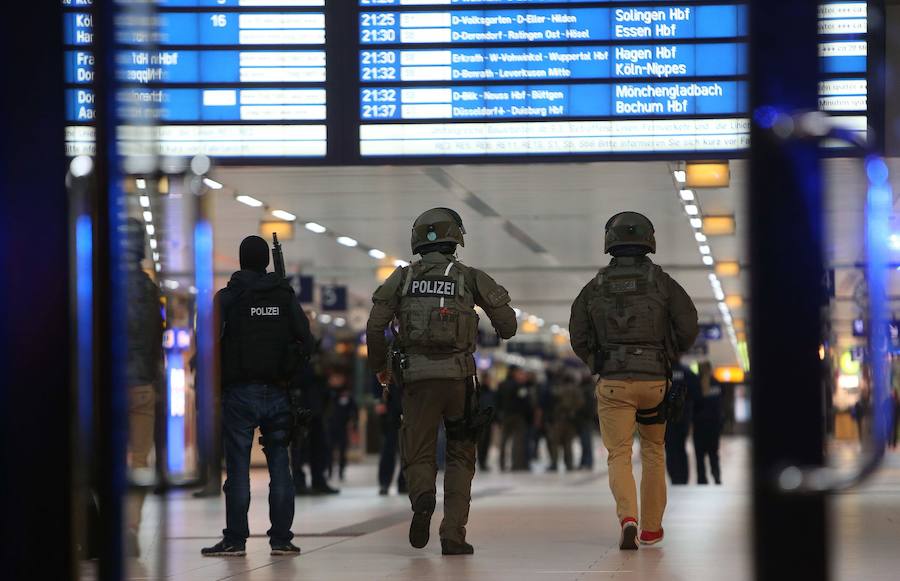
651, 538
628, 540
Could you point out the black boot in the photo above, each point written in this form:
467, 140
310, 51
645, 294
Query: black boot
420, 527
449, 547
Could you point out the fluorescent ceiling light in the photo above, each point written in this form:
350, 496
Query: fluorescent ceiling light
153, 243
156, 257
696, 223
150, 230
248, 200
704, 249
708, 260
148, 216
347, 241
377, 254
401, 263
720, 295
317, 228
325, 318
212, 184
691, 209
680, 176
158, 267
700, 236
340, 321
894, 241
284, 215
687, 195
145, 201
141, 183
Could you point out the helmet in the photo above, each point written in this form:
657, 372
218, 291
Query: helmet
630, 229
435, 226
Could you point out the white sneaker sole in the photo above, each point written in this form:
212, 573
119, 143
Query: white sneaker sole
654, 542
628, 540
285, 553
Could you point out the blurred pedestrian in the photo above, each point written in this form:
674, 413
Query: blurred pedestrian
343, 419
389, 415
708, 421
310, 447
488, 400
677, 431
143, 370
588, 422
568, 402
516, 411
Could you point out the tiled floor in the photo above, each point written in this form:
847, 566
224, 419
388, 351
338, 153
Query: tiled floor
524, 527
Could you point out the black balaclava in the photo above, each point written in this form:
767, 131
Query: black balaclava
629, 250
254, 254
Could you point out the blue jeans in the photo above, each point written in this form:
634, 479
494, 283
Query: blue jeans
245, 408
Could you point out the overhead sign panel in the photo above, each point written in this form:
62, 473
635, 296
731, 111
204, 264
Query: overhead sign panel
519, 77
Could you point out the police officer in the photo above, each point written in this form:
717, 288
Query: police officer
629, 325
143, 369
434, 300
708, 420
677, 431
265, 338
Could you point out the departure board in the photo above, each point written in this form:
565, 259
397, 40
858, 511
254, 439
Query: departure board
517, 77
228, 78
249, 80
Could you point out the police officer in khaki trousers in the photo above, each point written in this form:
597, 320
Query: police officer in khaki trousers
629, 325
434, 302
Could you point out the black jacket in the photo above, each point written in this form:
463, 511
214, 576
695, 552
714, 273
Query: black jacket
145, 329
249, 279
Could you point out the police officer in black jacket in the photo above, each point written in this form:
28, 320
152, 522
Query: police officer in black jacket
265, 338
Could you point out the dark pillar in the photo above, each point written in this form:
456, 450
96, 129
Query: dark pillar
35, 386
785, 202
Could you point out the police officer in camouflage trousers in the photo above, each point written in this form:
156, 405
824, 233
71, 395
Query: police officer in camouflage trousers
264, 340
434, 300
629, 325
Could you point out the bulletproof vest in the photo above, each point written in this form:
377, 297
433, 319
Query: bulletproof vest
259, 345
629, 313
438, 322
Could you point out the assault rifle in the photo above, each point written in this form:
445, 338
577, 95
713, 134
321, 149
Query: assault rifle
278, 257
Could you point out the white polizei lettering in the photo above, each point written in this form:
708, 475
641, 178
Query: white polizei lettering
265, 311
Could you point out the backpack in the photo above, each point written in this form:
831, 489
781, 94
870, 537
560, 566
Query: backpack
630, 317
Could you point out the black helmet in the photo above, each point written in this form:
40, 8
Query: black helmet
630, 229
435, 226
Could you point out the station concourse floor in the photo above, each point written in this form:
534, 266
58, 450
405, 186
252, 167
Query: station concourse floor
532, 526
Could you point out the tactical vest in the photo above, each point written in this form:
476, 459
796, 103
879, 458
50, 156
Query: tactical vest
438, 323
259, 345
629, 314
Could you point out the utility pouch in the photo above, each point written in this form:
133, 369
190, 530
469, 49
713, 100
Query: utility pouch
422, 367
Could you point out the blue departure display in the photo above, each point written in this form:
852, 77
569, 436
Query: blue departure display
660, 61
443, 78
250, 78
248, 69
553, 24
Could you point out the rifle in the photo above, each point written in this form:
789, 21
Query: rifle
278, 257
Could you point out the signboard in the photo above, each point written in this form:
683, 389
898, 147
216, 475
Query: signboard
303, 287
334, 298
442, 78
247, 80
228, 78
711, 332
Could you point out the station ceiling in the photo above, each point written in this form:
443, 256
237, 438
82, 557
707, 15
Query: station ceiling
537, 228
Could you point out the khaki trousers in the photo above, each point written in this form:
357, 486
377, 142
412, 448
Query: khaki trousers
141, 418
425, 405
617, 403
